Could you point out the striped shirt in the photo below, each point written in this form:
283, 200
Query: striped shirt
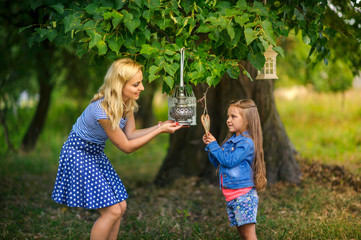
87, 126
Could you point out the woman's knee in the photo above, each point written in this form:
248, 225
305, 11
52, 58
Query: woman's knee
123, 206
116, 211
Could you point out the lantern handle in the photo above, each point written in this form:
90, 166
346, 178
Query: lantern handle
182, 52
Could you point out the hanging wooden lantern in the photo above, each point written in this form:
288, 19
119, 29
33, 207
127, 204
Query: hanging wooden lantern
269, 71
182, 105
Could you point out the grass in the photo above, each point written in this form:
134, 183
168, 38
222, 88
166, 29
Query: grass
324, 127
325, 206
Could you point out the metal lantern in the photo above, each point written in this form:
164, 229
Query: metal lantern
270, 66
182, 105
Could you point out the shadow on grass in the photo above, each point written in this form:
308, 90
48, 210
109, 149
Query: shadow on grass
187, 209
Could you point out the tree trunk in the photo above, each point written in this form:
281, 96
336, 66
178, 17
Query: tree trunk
145, 117
186, 155
38, 121
3, 112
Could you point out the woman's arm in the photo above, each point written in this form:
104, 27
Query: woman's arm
131, 132
122, 142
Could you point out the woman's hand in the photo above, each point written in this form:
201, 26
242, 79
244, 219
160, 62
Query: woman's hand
169, 126
208, 138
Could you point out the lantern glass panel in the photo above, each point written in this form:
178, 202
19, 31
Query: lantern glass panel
190, 100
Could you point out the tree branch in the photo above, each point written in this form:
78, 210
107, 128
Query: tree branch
160, 31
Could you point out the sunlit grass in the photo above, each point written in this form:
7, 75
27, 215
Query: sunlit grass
324, 127
320, 127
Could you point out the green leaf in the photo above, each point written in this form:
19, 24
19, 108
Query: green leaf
52, 33
204, 29
154, 69
230, 31
209, 80
71, 22
242, 4
131, 23
257, 60
198, 66
118, 17
91, 8
279, 50
260, 8
169, 81
24, 28
102, 47
81, 49
115, 43
59, 8
250, 35
138, 2
42, 32
95, 37
152, 77
268, 32
107, 15
30, 41
245, 72
169, 69
147, 49
264, 43
241, 20
147, 15
119, 4
233, 72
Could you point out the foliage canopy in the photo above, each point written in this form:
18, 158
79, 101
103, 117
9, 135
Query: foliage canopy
216, 34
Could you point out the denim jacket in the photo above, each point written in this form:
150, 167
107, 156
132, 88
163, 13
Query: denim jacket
235, 159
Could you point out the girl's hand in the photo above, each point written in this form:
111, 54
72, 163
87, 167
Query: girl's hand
208, 138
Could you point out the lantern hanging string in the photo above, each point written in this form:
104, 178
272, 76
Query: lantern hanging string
203, 100
205, 119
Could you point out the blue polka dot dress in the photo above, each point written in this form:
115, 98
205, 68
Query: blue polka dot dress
85, 176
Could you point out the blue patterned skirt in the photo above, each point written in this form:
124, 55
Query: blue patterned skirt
85, 176
243, 210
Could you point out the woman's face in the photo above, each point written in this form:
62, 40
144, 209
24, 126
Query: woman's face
133, 87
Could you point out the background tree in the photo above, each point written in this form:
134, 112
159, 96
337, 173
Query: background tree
224, 40
34, 72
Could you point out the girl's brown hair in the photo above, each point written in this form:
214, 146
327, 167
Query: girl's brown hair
248, 110
118, 74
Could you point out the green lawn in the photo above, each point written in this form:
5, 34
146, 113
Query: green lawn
325, 206
324, 127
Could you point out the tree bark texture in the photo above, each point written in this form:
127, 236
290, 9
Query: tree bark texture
46, 87
145, 116
186, 155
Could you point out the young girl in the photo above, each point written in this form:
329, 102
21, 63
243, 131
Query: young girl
85, 176
241, 166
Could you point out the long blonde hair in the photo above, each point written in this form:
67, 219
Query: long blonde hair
248, 110
118, 74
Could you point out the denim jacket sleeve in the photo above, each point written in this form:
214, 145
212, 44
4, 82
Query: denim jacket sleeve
229, 157
212, 146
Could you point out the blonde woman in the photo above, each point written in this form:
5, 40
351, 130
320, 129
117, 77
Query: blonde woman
242, 170
85, 176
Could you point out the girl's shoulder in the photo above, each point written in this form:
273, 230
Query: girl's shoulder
241, 139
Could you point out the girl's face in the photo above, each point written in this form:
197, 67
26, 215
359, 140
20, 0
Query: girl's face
235, 121
133, 87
